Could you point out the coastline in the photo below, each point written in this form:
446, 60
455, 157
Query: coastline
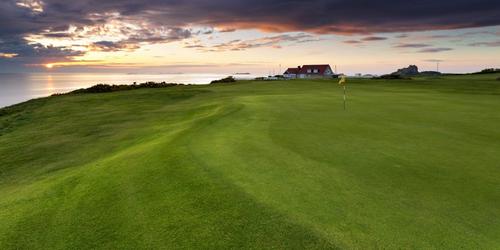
16, 88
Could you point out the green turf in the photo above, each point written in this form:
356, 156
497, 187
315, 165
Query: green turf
412, 164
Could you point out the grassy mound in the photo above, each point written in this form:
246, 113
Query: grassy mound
410, 164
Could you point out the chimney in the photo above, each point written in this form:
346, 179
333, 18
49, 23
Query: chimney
299, 67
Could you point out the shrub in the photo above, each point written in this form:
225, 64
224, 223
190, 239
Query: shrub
105, 88
224, 80
392, 77
488, 71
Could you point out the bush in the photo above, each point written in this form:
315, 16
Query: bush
488, 71
224, 80
105, 88
392, 77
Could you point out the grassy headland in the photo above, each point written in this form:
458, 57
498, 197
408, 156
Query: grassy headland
410, 164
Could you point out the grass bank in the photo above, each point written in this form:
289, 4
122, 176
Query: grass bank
255, 165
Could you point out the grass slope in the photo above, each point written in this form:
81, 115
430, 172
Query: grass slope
411, 164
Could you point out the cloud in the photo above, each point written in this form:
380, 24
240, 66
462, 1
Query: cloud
352, 42
194, 46
135, 22
434, 60
35, 52
486, 44
434, 50
373, 38
270, 41
359, 43
35, 6
113, 46
320, 16
227, 30
411, 45
461, 35
8, 55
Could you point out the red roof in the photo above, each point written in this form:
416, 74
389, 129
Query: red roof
309, 69
292, 71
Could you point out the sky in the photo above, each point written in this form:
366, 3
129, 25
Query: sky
257, 36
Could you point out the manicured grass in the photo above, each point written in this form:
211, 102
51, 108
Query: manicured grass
411, 164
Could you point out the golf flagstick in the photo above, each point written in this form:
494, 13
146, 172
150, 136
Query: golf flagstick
344, 97
342, 82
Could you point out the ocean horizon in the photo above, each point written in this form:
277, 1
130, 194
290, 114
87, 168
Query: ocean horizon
20, 87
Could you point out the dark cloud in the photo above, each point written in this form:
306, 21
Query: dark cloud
373, 38
194, 46
365, 39
352, 42
434, 50
411, 45
439, 36
156, 21
35, 51
462, 35
322, 16
485, 44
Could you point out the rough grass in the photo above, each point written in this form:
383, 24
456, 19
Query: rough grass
256, 165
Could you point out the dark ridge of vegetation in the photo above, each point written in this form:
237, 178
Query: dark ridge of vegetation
224, 80
106, 88
392, 77
487, 71
430, 73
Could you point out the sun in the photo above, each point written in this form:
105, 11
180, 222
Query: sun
49, 65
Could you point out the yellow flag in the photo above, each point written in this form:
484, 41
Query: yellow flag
342, 80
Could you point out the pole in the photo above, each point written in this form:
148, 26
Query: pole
344, 97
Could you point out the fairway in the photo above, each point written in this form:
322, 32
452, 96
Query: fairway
411, 164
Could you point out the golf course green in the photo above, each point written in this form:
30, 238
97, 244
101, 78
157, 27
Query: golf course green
411, 164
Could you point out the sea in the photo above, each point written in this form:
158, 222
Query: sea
20, 87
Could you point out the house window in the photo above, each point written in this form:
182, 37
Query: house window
308, 71
316, 71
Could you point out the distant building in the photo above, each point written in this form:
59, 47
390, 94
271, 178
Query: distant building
291, 72
310, 71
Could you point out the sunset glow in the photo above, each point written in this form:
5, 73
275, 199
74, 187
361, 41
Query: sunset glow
161, 37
